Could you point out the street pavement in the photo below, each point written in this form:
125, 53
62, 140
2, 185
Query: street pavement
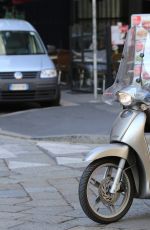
78, 116
40, 172
39, 188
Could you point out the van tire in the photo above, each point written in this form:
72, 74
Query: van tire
55, 102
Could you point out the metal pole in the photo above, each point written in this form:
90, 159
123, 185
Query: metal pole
109, 77
94, 47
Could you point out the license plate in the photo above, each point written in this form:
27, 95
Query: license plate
18, 87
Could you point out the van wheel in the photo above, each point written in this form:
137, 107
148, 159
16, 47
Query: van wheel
55, 102
50, 103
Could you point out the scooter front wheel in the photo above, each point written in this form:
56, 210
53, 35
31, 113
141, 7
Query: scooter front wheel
94, 191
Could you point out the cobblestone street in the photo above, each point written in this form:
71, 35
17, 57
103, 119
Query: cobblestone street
39, 188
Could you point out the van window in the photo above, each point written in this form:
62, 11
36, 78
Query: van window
20, 43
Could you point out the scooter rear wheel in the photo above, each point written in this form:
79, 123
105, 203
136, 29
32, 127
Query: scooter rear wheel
96, 201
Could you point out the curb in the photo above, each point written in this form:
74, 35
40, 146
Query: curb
79, 138
74, 138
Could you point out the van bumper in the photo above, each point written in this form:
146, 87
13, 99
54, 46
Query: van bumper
29, 90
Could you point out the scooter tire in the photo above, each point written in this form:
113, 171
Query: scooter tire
83, 191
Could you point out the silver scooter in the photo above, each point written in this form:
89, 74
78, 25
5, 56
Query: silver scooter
120, 171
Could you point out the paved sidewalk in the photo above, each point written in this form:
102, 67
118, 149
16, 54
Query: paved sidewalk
39, 189
39, 179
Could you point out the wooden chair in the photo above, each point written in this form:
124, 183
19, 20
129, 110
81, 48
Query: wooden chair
63, 65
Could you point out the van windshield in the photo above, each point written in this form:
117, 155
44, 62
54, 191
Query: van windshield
20, 43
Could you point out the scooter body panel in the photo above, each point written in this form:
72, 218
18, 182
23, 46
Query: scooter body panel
119, 150
108, 150
129, 129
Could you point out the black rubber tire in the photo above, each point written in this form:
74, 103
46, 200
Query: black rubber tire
55, 102
83, 192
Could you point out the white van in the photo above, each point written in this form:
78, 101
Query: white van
26, 71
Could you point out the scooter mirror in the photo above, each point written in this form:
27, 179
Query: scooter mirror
138, 80
141, 55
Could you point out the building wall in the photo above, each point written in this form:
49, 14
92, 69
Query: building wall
51, 19
105, 8
109, 9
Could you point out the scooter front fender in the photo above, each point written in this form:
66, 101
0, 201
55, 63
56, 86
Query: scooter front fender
108, 150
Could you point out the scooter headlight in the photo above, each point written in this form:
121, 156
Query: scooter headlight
125, 99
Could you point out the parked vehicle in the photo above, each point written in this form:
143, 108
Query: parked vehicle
26, 71
120, 171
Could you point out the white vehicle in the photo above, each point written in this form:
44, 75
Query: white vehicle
26, 71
